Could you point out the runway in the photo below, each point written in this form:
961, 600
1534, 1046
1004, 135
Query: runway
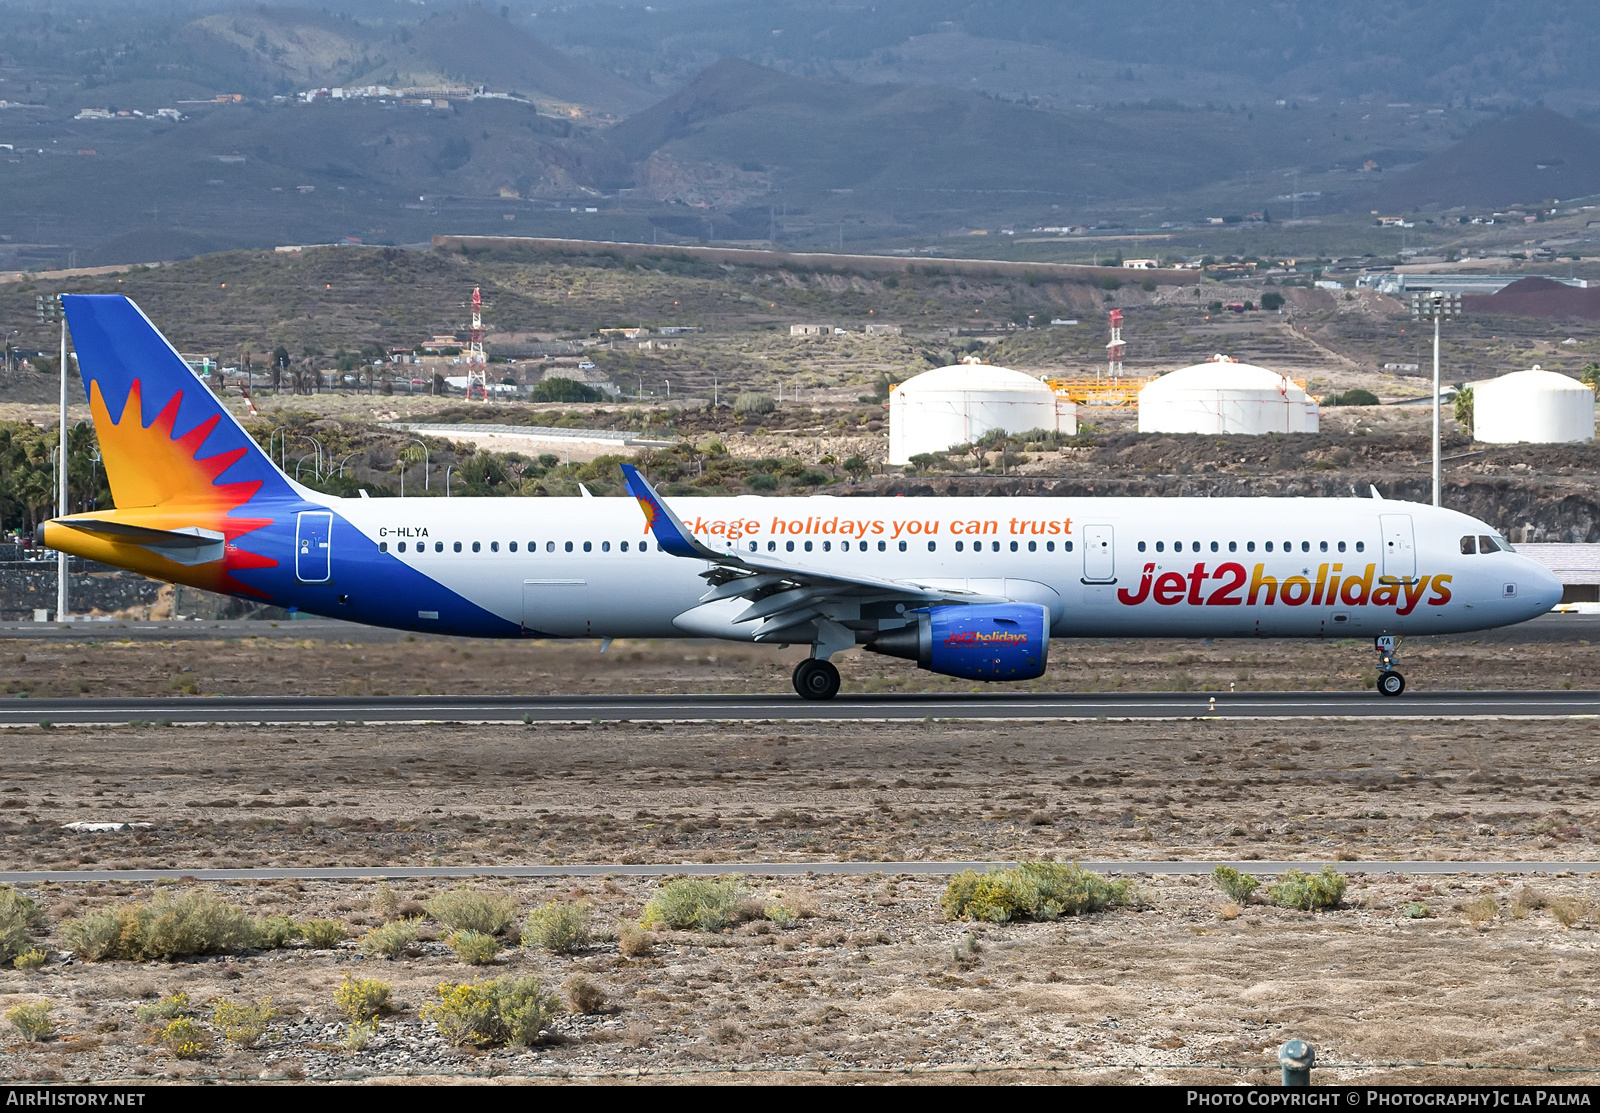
231, 710
773, 869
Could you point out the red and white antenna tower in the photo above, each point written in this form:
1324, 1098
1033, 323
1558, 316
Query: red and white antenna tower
1115, 348
477, 363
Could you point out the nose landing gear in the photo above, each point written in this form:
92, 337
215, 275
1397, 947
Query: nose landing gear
1390, 682
816, 679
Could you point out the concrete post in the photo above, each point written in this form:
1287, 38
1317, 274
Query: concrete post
1297, 1057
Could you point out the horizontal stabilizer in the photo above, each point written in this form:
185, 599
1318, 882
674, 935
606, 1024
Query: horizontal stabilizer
185, 545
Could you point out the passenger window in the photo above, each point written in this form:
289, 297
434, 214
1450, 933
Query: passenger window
1268, 546
605, 546
644, 546
827, 546
1141, 546
1033, 546
960, 546
1361, 546
1066, 546
902, 546
808, 546
401, 547
933, 546
1233, 546
1049, 546
1341, 546
383, 546
494, 546
1305, 546
1213, 546
457, 546
1013, 546
1486, 544
568, 546
438, 546
1469, 545
788, 546
1249, 546
753, 546
1324, 546
772, 546
549, 547
588, 546
622, 545
512, 546
883, 546
1161, 546
477, 546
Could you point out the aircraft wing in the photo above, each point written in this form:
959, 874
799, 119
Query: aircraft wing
781, 594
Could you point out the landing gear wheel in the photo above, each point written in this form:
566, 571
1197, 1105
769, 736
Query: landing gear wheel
815, 679
1391, 683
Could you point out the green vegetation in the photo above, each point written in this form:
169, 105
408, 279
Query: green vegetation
504, 1011
362, 999
30, 960
185, 1038
242, 1025
467, 909
322, 934
564, 390
273, 932
166, 1008
194, 922
1355, 396
1463, 409
1272, 301
32, 1022
1032, 891
475, 948
391, 940
750, 402
706, 904
1416, 910
20, 917
560, 927
1238, 886
584, 996
1314, 892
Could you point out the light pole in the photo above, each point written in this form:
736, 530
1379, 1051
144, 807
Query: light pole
448, 468
1435, 304
425, 459
346, 460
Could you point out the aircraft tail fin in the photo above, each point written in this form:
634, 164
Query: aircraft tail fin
165, 437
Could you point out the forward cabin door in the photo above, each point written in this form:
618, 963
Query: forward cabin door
1099, 555
313, 550
1399, 547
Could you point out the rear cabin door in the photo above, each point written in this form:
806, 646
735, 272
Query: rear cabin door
1399, 546
1099, 555
313, 548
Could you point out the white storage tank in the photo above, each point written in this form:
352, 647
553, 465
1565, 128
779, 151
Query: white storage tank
947, 406
1225, 396
1534, 407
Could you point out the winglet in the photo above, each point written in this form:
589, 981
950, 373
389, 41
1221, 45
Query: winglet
670, 533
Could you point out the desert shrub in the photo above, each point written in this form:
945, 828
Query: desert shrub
322, 934
167, 1008
750, 402
780, 914
1271, 301
32, 1022
362, 999
1237, 885
392, 940
1481, 910
560, 927
1032, 891
494, 1013
1228, 911
584, 996
275, 932
475, 948
19, 918
1567, 910
709, 904
1416, 910
242, 1025
1309, 892
1355, 396
386, 902
634, 942
358, 1036
192, 923
94, 936
30, 960
467, 909
185, 1038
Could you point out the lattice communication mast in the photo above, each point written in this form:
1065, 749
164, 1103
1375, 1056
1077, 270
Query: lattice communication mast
1115, 349
477, 363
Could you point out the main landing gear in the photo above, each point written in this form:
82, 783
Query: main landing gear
1390, 682
815, 679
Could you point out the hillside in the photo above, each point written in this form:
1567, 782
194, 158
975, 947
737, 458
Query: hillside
1537, 155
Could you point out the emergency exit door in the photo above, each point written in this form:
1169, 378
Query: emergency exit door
1099, 555
313, 548
1399, 547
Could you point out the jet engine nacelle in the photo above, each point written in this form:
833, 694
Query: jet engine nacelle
997, 641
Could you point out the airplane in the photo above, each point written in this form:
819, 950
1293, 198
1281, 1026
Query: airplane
966, 587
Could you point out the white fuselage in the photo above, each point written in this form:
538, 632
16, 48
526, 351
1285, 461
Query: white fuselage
1130, 567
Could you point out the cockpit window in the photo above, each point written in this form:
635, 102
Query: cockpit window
1469, 545
1486, 544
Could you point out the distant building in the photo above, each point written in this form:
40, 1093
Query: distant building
884, 330
810, 330
632, 333
1140, 264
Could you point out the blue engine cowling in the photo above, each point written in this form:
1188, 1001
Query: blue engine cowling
997, 641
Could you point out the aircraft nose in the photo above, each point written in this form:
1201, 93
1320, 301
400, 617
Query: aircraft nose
1544, 588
